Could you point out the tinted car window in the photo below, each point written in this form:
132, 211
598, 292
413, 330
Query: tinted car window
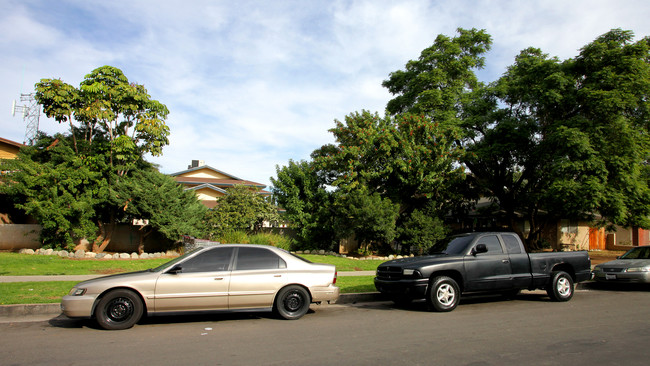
512, 244
492, 243
216, 259
452, 245
258, 258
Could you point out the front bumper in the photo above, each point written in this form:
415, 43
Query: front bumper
78, 306
622, 277
409, 288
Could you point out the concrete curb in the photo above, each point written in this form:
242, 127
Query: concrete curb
23, 310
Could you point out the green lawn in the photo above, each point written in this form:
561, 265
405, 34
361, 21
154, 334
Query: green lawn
14, 264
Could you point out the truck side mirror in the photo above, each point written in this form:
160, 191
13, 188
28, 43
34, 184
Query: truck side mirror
479, 248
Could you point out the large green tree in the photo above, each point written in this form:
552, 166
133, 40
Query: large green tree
113, 124
166, 206
57, 187
106, 104
301, 191
556, 139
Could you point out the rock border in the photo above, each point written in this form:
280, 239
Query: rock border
82, 254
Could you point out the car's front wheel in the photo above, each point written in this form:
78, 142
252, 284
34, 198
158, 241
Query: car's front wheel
443, 294
292, 302
119, 309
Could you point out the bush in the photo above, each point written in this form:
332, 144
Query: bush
233, 237
275, 240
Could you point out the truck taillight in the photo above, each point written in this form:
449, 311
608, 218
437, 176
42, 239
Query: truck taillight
336, 273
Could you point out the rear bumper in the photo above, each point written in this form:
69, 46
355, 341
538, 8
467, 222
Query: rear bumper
330, 293
411, 288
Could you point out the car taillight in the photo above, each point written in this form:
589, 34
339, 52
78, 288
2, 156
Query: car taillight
336, 273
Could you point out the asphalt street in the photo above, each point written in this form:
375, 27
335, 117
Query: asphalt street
597, 327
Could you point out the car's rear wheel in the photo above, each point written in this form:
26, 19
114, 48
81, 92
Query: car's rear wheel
443, 294
560, 287
119, 309
292, 302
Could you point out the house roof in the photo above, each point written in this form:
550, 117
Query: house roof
216, 183
205, 167
13, 143
208, 186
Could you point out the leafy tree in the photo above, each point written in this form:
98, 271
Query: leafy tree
406, 159
567, 138
241, 209
436, 83
367, 217
57, 187
107, 104
300, 189
113, 124
157, 198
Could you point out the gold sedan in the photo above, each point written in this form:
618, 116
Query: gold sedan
219, 277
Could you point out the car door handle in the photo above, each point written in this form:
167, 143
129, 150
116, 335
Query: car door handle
218, 278
505, 261
277, 276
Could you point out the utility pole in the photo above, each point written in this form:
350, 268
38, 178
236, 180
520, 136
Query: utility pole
31, 112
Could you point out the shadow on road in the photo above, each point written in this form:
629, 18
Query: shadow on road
600, 286
194, 317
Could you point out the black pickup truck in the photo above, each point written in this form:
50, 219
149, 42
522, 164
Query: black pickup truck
480, 262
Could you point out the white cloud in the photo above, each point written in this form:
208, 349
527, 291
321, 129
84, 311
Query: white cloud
253, 84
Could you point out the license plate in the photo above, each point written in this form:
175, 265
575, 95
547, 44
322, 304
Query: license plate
610, 277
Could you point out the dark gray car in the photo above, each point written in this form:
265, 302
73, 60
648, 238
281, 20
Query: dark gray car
631, 267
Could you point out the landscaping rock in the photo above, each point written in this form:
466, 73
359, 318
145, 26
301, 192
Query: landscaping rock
124, 256
134, 256
63, 253
90, 255
80, 253
108, 256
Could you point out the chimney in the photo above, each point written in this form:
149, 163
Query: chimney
196, 164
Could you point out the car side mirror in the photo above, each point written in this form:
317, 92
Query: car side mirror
479, 248
175, 269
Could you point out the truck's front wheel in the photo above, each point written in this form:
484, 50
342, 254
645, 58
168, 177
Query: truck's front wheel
560, 287
443, 294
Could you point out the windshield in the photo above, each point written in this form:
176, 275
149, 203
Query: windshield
454, 245
169, 264
637, 253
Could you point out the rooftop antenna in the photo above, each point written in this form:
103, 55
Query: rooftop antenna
31, 112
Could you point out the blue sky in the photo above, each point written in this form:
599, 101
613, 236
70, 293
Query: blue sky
252, 84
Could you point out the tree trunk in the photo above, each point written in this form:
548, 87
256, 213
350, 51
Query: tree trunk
105, 236
143, 236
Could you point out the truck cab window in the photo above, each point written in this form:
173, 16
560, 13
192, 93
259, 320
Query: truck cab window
492, 243
512, 244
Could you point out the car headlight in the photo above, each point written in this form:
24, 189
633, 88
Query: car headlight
408, 272
638, 269
77, 291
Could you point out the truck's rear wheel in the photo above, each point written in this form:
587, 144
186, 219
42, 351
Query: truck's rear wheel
443, 294
560, 287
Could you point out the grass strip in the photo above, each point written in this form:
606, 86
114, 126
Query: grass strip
15, 264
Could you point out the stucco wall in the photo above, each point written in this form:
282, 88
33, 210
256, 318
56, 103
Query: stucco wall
126, 238
15, 236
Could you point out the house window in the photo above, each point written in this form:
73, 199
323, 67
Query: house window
569, 227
